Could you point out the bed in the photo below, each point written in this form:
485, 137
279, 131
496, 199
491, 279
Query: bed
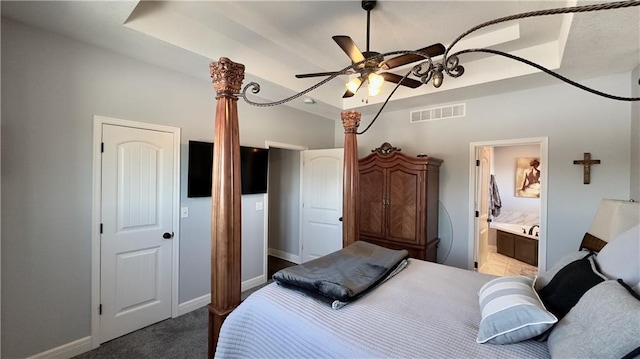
430, 310
426, 310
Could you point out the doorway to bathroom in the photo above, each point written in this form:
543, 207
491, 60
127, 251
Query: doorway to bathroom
508, 180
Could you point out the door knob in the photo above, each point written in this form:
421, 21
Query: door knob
340, 219
167, 235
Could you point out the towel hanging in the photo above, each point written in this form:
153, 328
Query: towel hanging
495, 203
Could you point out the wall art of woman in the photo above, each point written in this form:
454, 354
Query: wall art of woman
528, 177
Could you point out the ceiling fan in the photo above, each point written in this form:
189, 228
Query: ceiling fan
370, 69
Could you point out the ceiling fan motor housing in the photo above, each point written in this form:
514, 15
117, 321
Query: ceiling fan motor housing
373, 59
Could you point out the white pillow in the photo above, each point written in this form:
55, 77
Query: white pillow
620, 258
511, 311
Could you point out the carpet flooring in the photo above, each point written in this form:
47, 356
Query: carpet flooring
184, 337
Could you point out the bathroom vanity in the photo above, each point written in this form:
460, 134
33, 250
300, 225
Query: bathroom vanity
520, 247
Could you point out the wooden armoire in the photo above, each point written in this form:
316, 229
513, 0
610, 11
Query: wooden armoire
398, 201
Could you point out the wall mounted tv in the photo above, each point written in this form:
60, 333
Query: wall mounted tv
254, 163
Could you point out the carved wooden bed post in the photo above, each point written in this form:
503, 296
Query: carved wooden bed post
225, 196
350, 122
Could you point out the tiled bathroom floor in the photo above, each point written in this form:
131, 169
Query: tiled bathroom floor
500, 265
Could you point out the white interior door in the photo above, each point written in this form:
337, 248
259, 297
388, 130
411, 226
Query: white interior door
483, 220
136, 216
321, 202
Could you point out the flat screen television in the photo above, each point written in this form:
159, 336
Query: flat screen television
199, 172
254, 165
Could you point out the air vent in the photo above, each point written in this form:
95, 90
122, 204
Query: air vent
437, 113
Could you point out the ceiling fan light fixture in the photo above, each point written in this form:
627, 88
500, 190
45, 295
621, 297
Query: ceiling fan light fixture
375, 80
437, 79
354, 84
373, 91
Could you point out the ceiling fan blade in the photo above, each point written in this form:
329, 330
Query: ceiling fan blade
398, 79
317, 74
433, 51
349, 47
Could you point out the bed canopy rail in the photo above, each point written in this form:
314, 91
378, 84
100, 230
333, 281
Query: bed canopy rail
226, 242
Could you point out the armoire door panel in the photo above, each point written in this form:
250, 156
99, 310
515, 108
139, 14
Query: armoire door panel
402, 224
371, 202
403, 205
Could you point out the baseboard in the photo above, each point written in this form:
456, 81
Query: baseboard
193, 304
253, 282
293, 258
197, 303
66, 351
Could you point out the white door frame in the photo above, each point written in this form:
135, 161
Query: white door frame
98, 121
543, 142
288, 146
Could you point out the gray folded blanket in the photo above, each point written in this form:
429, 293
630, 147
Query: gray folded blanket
345, 275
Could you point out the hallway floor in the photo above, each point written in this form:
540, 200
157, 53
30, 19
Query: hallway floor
501, 265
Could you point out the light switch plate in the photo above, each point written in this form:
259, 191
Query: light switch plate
259, 206
184, 212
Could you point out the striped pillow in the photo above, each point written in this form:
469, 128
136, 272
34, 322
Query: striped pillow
511, 311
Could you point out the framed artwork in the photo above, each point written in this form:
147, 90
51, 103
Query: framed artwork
528, 177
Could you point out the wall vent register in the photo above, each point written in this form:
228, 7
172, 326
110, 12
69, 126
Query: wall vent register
438, 113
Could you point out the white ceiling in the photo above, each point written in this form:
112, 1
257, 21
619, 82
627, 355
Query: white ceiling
278, 39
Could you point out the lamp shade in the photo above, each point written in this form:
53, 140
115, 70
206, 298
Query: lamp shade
614, 217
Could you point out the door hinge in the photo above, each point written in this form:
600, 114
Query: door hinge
477, 163
101, 228
100, 309
477, 214
102, 147
475, 265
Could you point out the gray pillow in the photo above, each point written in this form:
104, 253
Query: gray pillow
544, 278
603, 324
511, 311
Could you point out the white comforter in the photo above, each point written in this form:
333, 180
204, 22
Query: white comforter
426, 311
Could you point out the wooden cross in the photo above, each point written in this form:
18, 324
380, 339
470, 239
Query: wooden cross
586, 163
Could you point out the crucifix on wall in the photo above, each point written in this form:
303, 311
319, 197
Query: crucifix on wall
586, 163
